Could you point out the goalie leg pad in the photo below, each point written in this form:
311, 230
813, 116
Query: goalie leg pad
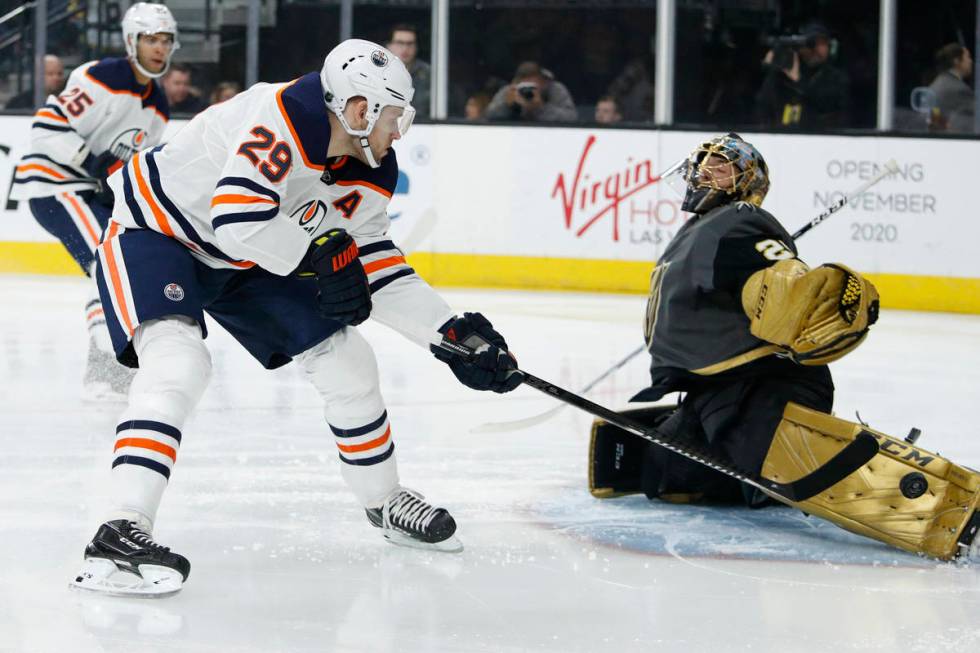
905, 496
616, 456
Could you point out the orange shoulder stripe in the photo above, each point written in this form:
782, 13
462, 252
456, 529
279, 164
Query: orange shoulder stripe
292, 130
358, 182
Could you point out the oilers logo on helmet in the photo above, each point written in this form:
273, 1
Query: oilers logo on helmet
379, 58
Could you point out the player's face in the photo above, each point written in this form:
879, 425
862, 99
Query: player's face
718, 172
153, 50
385, 131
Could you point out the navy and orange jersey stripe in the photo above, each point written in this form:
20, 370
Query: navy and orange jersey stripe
115, 74
383, 263
144, 180
348, 171
305, 112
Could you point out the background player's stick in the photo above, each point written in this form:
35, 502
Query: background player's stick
516, 425
862, 449
890, 167
421, 230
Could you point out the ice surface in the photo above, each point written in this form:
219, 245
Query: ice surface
283, 559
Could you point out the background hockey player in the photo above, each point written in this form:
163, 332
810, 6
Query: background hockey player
109, 110
268, 211
745, 329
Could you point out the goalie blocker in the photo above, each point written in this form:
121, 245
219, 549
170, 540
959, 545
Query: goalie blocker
905, 496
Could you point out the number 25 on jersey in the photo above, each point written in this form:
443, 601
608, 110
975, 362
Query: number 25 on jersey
276, 164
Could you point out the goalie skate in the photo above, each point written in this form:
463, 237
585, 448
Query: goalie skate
406, 519
122, 560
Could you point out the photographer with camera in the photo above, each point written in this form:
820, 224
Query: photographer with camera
533, 95
802, 88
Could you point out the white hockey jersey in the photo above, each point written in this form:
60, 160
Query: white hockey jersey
102, 109
247, 182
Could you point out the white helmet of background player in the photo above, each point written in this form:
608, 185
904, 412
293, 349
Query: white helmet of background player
146, 18
358, 68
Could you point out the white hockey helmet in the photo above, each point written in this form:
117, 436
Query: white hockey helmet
358, 68
146, 18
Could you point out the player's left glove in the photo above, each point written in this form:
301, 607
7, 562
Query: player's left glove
100, 167
493, 367
344, 294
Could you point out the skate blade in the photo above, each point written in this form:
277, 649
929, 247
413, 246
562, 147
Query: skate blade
449, 545
105, 577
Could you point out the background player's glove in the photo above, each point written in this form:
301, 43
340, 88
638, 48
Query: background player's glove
493, 368
344, 294
100, 167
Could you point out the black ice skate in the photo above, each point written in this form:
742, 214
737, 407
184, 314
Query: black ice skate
122, 560
406, 519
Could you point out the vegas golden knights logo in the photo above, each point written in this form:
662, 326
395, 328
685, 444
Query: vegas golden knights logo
653, 303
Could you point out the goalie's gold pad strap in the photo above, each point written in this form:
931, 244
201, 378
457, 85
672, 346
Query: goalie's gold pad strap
817, 315
870, 501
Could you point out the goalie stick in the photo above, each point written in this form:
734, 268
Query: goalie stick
848, 460
890, 167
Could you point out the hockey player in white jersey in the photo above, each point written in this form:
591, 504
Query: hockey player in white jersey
109, 110
268, 211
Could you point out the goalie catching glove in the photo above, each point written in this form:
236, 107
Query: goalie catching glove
816, 316
343, 291
492, 367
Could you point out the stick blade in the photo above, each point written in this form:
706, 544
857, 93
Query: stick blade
847, 461
517, 425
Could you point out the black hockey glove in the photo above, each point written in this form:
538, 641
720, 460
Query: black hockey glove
100, 167
344, 294
493, 368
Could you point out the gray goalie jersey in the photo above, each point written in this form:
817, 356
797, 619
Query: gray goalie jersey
694, 323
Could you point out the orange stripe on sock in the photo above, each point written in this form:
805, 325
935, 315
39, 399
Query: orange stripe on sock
94, 314
145, 192
85, 221
145, 443
381, 264
377, 442
110, 260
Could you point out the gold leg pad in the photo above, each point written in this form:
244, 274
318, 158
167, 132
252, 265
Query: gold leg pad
905, 496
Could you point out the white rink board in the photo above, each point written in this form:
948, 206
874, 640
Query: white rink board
586, 194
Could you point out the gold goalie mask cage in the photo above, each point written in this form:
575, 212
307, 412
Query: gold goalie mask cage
710, 182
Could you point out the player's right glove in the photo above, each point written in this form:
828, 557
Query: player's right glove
493, 367
344, 294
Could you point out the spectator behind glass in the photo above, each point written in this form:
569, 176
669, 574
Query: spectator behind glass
54, 82
634, 87
177, 86
954, 97
224, 91
533, 95
806, 90
404, 42
607, 111
476, 106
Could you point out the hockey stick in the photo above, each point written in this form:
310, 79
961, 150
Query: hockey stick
497, 427
527, 422
421, 230
890, 167
848, 460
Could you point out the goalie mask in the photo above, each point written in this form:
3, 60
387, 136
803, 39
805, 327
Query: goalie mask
145, 18
358, 68
710, 182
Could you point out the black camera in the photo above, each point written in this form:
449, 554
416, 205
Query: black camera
784, 46
527, 90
